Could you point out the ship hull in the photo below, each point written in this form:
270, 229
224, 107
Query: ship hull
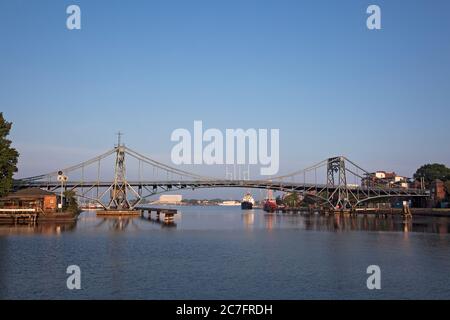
270, 206
245, 205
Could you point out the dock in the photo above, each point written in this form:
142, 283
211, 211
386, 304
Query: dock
379, 212
29, 215
19, 215
118, 213
144, 212
169, 214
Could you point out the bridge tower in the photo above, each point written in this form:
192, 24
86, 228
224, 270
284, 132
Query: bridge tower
119, 187
336, 172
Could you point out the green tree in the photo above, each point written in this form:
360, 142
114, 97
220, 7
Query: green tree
292, 200
8, 157
432, 172
71, 203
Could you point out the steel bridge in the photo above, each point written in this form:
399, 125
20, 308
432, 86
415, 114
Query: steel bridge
334, 191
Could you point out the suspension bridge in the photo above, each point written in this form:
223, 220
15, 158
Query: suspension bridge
328, 183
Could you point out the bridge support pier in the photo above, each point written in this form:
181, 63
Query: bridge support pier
169, 214
118, 213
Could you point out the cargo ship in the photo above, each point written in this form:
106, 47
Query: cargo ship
247, 202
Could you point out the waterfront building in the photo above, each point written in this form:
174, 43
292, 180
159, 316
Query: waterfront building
31, 198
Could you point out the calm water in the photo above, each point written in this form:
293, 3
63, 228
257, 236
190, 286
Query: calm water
222, 252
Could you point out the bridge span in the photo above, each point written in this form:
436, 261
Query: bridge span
122, 194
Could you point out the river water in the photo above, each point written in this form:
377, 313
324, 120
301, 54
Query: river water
227, 253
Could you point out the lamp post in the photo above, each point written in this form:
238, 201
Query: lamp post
62, 178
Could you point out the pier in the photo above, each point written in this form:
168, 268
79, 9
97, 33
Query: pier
118, 213
169, 214
28, 215
19, 215
378, 212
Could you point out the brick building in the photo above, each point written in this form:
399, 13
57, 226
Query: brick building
31, 198
437, 192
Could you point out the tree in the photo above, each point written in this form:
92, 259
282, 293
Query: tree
8, 157
292, 200
432, 172
71, 203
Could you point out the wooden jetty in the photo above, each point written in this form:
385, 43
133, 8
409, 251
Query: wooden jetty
21, 215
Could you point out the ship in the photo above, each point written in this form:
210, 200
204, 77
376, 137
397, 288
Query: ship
229, 203
247, 202
270, 204
91, 206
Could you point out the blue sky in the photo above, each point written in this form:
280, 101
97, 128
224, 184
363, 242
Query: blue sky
310, 68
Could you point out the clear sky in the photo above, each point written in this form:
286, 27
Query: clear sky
310, 68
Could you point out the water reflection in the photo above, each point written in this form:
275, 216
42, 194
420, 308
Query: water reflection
115, 223
358, 223
161, 222
212, 218
46, 228
269, 219
249, 219
126, 223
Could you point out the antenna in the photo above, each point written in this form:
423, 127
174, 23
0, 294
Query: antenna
119, 138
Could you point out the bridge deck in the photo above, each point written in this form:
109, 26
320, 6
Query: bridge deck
261, 184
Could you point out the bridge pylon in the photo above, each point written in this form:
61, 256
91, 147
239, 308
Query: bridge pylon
337, 182
118, 199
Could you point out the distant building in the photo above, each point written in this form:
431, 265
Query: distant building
380, 174
437, 190
31, 198
170, 198
385, 179
400, 181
